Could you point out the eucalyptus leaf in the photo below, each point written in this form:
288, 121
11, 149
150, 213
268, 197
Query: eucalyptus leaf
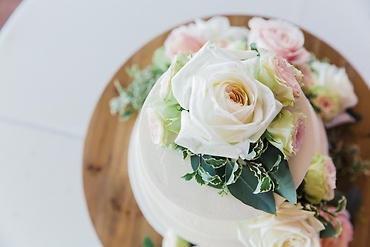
131, 99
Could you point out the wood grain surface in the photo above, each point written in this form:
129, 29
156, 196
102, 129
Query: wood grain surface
112, 207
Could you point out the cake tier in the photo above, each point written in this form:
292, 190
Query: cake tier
198, 213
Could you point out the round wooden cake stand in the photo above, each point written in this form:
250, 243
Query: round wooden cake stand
111, 204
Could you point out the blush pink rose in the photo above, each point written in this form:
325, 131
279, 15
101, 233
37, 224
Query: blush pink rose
184, 38
320, 179
287, 131
276, 73
308, 79
155, 126
290, 76
279, 36
331, 177
190, 38
346, 235
326, 101
299, 133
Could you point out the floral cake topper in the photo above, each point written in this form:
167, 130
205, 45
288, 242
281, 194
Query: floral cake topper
228, 104
214, 110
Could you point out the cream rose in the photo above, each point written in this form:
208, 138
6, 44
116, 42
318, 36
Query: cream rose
163, 115
320, 179
336, 81
287, 132
276, 73
279, 36
291, 226
225, 108
325, 100
218, 30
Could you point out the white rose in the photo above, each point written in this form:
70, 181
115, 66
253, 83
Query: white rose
291, 226
219, 30
190, 38
336, 81
170, 239
225, 107
155, 125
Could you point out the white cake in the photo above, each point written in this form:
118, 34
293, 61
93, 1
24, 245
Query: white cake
198, 213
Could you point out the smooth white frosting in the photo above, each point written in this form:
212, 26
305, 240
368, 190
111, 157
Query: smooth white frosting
198, 213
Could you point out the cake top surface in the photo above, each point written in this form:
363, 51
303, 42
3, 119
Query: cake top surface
165, 167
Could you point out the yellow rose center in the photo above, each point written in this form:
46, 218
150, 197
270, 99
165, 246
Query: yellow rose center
292, 242
237, 94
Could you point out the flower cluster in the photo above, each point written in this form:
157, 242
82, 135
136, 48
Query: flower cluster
228, 101
327, 86
329, 90
190, 38
233, 112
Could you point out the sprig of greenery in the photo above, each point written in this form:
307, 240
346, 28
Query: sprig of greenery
254, 48
346, 155
148, 242
132, 98
251, 180
338, 203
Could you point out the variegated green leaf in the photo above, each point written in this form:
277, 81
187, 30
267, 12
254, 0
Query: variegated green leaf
235, 172
214, 162
208, 178
243, 190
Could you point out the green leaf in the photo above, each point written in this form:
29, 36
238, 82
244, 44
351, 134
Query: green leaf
131, 99
199, 179
339, 201
256, 150
195, 161
148, 242
265, 181
236, 171
264, 185
260, 173
244, 187
188, 176
205, 174
214, 162
342, 203
160, 60
329, 231
283, 177
208, 178
254, 48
